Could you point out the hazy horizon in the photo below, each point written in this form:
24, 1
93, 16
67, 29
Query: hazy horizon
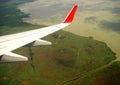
99, 19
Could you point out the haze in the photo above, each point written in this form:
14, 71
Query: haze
99, 19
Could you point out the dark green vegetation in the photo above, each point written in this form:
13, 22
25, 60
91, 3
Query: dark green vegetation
71, 59
4, 0
108, 76
9, 8
11, 18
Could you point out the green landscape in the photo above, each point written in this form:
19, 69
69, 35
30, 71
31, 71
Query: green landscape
70, 60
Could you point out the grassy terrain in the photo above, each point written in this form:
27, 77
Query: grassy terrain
108, 76
69, 56
70, 59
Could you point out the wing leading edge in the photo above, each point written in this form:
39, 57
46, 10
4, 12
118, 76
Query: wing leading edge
11, 42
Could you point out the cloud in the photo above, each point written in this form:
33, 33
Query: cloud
91, 19
114, 0
108, 25
115, 10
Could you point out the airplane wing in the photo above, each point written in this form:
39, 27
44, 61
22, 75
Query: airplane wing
8, 43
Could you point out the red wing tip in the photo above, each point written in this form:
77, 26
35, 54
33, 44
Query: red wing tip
70, 15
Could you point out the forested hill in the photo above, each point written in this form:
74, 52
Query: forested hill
4, 0
70, 60
11, 18
17, 1
10, 15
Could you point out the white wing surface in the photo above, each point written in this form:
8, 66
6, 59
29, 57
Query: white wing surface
8, 43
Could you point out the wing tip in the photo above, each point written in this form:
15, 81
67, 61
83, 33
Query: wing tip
71, 14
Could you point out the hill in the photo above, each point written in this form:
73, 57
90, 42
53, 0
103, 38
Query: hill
69, 56
71, 59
